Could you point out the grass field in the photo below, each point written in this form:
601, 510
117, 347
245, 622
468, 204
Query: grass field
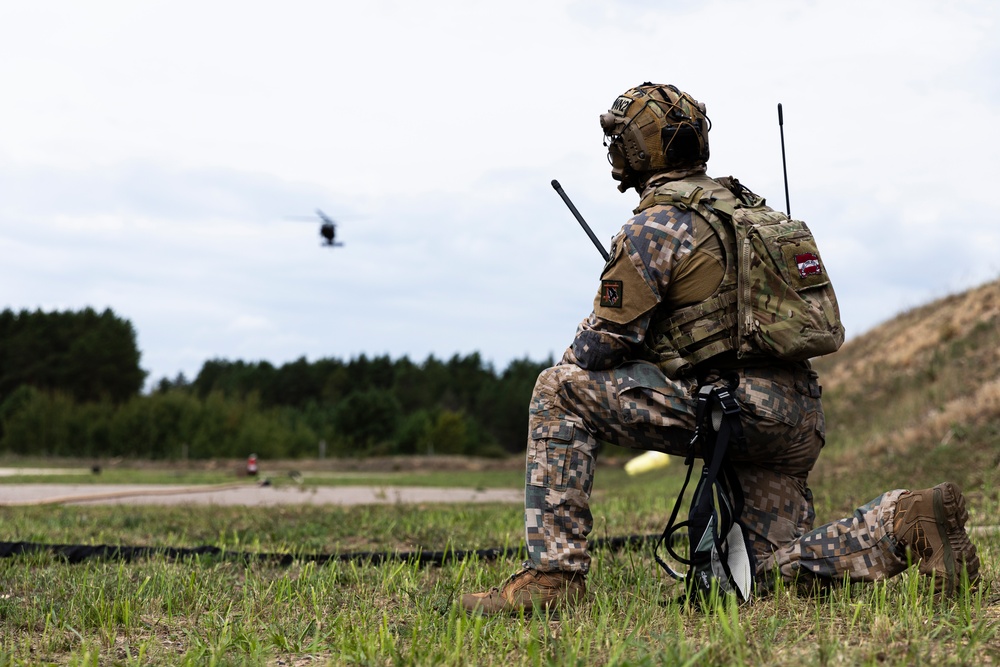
912, 403
222, 611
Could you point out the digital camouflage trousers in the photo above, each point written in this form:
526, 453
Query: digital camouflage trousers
636, 406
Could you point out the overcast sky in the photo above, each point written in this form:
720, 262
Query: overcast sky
152, 155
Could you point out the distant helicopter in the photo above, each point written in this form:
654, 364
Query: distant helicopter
328, 230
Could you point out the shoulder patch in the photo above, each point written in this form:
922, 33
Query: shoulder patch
611, 294
624, 294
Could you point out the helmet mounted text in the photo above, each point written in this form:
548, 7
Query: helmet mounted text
653, 128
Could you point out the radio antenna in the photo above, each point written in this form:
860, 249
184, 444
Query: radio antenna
579, 218
784, 167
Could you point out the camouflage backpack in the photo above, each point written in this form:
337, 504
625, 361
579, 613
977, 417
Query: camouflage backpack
786, 303
776, 298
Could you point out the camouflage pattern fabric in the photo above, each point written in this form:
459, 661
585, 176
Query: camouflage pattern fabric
636, 406
650, 272
792, 309
858, 548
776, 299
666, 259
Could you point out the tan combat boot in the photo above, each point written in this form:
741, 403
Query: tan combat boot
527, 590
929, 527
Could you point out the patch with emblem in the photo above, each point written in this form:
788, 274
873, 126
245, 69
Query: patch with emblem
611, 293
808, 264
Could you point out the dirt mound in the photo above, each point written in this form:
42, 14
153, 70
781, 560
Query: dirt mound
916, 400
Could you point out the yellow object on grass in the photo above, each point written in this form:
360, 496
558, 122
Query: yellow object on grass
647, 461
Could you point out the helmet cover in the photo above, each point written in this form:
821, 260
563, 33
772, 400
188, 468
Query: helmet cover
653, 128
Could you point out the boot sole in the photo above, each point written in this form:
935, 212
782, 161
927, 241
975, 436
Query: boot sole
950, 515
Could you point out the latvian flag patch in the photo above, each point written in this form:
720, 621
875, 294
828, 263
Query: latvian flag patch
808, 264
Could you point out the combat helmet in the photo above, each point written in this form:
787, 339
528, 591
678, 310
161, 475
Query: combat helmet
653, 128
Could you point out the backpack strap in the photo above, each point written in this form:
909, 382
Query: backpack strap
684, 199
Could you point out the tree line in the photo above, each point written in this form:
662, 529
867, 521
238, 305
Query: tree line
71, 385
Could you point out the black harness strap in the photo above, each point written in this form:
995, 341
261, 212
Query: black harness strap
718, 414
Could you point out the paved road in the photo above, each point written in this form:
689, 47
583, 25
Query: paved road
243, 494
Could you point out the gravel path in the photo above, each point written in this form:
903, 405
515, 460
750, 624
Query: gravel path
247, 494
